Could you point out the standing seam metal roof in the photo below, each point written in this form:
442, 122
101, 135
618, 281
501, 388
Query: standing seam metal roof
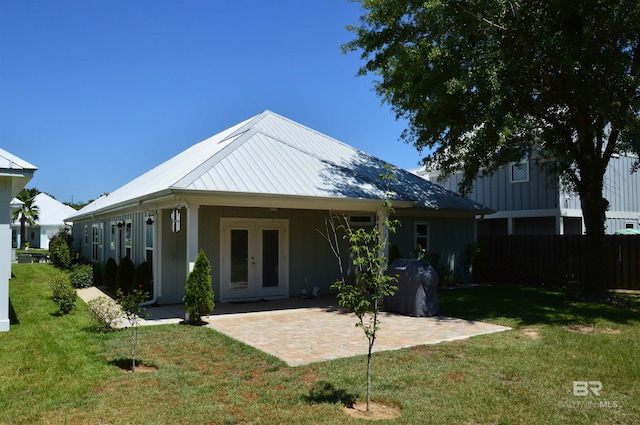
272, 155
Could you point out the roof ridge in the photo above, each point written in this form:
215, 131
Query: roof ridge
244, 127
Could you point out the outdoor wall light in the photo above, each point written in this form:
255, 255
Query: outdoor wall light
120, 224
149, 221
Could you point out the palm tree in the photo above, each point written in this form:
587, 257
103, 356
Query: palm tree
27, 213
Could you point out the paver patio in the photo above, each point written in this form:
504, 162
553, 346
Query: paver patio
309, 335
307, 331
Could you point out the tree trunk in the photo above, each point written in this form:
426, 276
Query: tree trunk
23, 226
594, 207
369, 375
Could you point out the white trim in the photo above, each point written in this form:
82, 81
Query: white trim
524, 162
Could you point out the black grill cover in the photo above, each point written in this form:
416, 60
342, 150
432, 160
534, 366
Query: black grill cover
417, 289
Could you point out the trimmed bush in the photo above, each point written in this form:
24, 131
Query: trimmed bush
59, 249
110, 273
81, 276
198, 298
142, 277
105, 312
124, 277
63, 293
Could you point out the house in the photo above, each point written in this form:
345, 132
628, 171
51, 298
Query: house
528, 201
15, 173
51, 217
255, 198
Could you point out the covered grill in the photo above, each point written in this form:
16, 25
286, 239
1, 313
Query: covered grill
417, 289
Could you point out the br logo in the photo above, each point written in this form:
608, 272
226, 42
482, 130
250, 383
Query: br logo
582, 388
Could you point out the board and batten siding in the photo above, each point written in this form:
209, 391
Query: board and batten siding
621, 187
448, 237
173, 262
498, 192
311, 262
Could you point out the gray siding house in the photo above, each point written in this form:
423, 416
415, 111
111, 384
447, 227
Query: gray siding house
528, 201
255, 197
15, 173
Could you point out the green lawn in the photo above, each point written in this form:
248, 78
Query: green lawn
57, 370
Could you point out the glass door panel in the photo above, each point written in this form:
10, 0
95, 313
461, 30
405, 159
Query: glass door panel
270, 258
239, 258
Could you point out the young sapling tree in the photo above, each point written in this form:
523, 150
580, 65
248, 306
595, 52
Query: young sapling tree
131, 306
364, 295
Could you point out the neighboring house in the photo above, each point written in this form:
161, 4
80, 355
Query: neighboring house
528, 201
255, 198
15, 173
51, 216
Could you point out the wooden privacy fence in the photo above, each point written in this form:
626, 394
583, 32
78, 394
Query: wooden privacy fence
556, 259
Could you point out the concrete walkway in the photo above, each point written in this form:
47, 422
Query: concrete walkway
312, 330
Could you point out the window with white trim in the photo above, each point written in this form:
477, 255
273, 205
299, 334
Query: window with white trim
112, 236
96, 241
148, 241
128, 239
422, 239
519, 171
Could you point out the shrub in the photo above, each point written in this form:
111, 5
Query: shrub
110, 273
81, 276
59, 249
142, 277
105, 312
63, 293
124, 276
198, 298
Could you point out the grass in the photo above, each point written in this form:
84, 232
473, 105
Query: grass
57, 370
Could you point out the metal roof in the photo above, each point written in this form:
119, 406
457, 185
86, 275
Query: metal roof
271, 155
8, 161
51, 211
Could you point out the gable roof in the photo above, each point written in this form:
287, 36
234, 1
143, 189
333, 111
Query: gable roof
272, 155
51, 211
18, 170
8, 161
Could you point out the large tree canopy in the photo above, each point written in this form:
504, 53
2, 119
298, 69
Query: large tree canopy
483, 83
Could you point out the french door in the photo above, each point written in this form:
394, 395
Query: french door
254, 259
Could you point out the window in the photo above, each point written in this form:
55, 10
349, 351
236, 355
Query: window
148, 242
361, 220
422, 239
520, 172
112, 237
128, 239
96, 241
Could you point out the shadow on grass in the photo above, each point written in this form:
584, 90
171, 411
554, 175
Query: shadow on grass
532, 305
13, 316
126, 364
326, 392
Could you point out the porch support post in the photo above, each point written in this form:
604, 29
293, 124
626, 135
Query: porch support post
384, 231
192, 236
5, 252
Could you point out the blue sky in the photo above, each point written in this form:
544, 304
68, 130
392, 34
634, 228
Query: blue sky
97, 92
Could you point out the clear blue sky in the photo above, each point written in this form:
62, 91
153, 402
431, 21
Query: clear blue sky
97, 92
